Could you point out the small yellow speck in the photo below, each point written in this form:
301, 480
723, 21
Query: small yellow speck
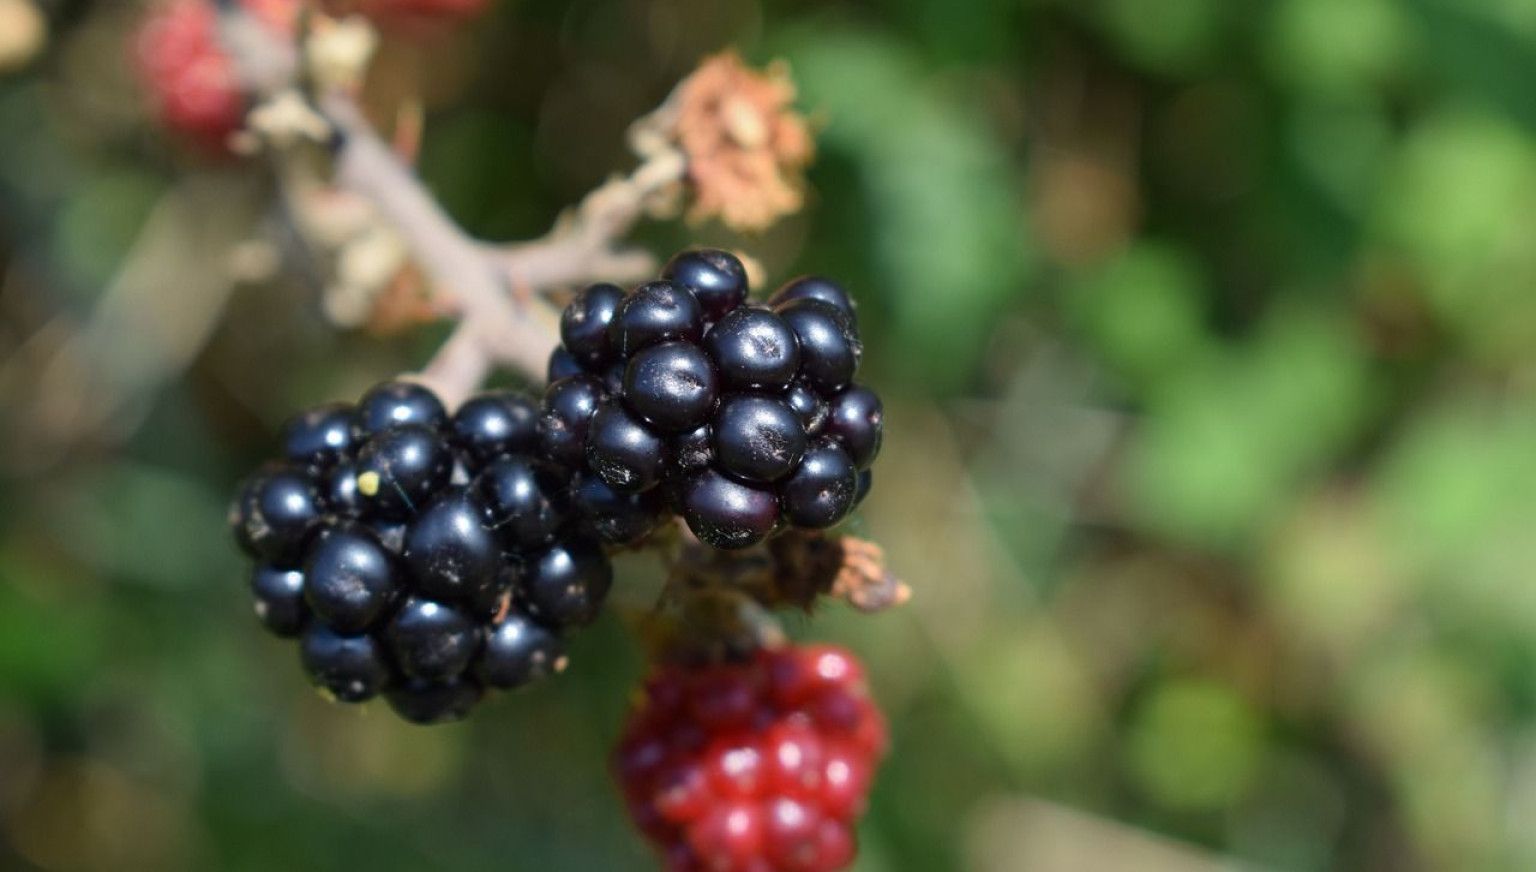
561, 662
368, 484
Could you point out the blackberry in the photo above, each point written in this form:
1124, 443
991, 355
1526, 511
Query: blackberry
763, 764
744, 416
426, 557
422, 556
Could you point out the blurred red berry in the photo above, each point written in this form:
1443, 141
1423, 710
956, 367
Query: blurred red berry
761, 766
409, 16
192, 82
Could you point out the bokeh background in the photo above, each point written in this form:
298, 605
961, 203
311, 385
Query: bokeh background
1207, 332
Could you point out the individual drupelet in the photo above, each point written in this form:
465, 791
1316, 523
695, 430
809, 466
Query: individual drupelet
421, 556
742, 417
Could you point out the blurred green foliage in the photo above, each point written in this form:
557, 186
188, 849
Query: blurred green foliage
1206, 331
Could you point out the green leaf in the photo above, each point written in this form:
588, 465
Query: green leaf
943, 206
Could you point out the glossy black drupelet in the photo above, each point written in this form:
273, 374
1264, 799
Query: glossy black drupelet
811, 408
758, 437
566, 585
754, 349
626, 453
746, 417
400, 468
822, 490
518, 651
569, 405
673, 386
392, 404
727, 513
405, 548
491, 425
584, 324
319, 436
716, 278
349, 668
424, 701
857, 420
815, 288
829, 346
523, 501
432, 640
276, 514
655, 312
562, 365
615, 518
351, 578
279, 599
450, 549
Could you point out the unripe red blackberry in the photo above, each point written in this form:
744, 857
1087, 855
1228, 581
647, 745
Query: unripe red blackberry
764, 764
719, 401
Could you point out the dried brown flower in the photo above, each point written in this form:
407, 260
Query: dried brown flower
404, 303
746, 145
808, 566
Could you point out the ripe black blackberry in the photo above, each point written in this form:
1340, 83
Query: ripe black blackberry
743, 417
426, 557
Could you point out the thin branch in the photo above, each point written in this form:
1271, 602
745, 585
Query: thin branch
491, 326
474, 280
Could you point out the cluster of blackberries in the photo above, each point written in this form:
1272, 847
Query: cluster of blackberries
427, 557
761, 765
418, 555
682, 396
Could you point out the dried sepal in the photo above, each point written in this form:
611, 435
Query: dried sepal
809, 566
746, 145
